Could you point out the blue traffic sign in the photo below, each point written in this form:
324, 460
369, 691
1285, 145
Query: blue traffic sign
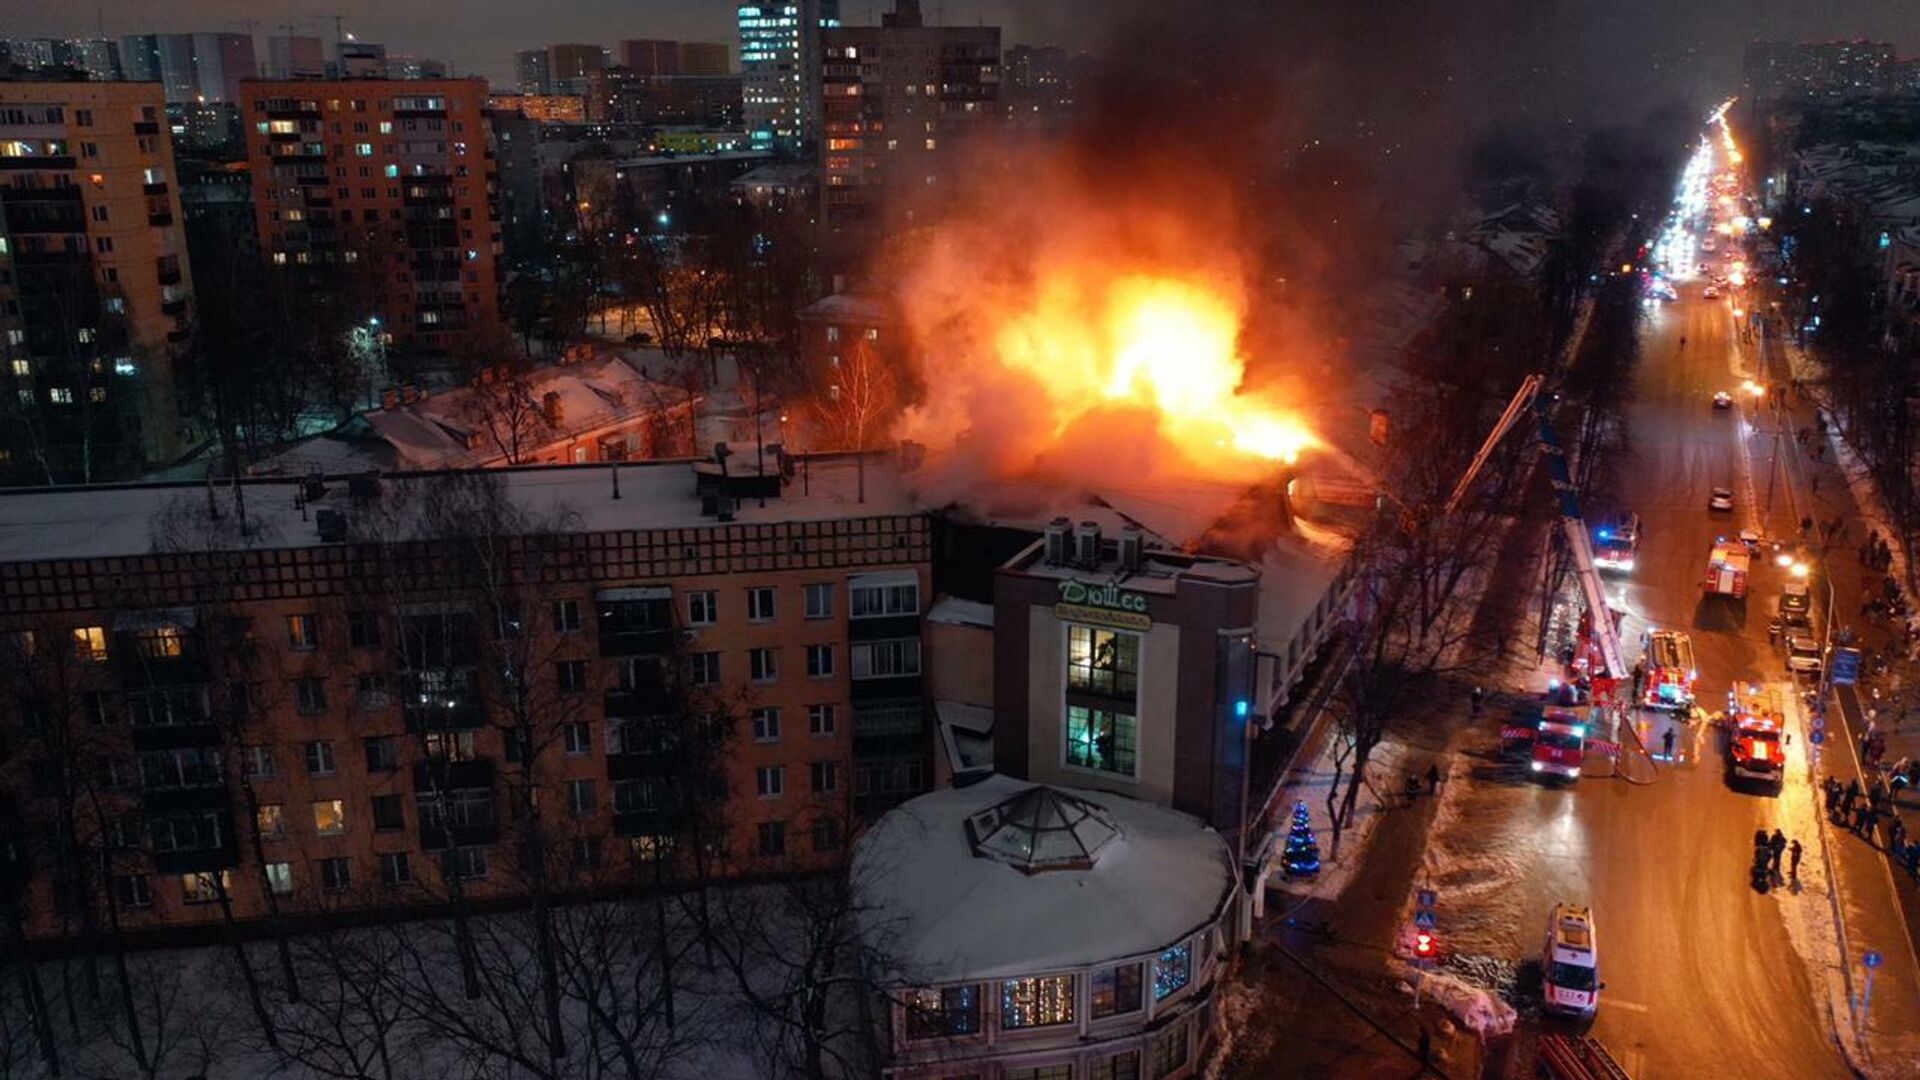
1818, 735
1424, 918
1425, 897
1872, 959
1846, 667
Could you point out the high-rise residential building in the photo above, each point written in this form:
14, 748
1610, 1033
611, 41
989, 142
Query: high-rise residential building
94, 286
395, 177
624, 96
330, 699
1038, 86
295, 56
898, 102
650, 56
97, 58
401, 66
704, 58
30, 54
361, 60
1774, 69
163, 58
191, 67
531, 72
571, 67
220, 62
655, 56
779, 69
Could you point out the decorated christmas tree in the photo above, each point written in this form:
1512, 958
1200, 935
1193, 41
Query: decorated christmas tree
1303, 847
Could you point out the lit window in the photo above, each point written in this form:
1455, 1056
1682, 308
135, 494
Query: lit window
90, 642
205, 888
363, 149
330, 817
1041, 1002
940, 1014
1171, 971
1102, 740
23, 367
279, 878
1101, 661
61, 395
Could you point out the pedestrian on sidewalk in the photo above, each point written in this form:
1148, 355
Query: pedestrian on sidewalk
1433, 778
1426, 1048
1476, 697
1793, 861
1666, 743
1870, 824
1832, 789
1776, 847
1853, 793
1896, 832
1913, 858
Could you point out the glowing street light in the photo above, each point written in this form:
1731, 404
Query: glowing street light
1799, 570
1783, 560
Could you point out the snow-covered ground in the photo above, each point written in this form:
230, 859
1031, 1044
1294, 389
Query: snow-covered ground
1379, 796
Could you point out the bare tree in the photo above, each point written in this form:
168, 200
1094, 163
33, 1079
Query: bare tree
856, 401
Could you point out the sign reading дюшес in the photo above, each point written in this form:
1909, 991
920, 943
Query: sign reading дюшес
1105, 605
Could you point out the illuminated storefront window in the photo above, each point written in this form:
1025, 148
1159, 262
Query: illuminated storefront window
1102, 740
1031, 1003
1101, 661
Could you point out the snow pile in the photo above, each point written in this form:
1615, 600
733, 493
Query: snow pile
1477, 1008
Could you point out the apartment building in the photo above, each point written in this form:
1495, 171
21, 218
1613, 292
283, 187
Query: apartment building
395, 178
383, 692
898, 104
94, 284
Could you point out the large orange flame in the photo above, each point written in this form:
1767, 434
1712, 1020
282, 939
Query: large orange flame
1154, 342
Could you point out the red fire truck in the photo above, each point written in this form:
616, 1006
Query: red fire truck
1560, 744
1670, 670
1727, 567
1755, 752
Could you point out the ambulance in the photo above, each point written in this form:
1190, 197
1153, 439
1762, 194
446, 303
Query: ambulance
1570, 964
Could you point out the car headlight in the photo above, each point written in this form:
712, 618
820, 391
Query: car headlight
1539, 766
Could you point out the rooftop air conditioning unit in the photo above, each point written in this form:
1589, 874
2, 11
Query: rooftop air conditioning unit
1057, 532
1086, 544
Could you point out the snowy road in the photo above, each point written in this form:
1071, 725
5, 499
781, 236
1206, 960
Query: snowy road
1701, 975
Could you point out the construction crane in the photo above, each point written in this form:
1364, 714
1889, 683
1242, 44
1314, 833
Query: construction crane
1606, 635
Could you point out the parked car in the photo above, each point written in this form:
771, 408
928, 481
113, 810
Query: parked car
1721, 500
1722, 400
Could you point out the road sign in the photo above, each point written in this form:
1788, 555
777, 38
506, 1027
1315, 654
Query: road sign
1872, 959
1818, 735
1424, 919
1846, 667
1425, 897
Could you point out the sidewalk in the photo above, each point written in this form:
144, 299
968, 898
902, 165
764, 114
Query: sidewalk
1880, 903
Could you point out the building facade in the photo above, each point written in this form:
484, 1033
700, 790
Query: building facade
394, 180
899, 102
95, 291
629, 96
542, 108
205, 67
1025, 931
570, 67
531, 74
295, 56
1125, 668
338, 716
780, 70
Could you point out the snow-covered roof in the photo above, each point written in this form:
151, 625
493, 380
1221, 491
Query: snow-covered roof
847, 307
944, 914
953, 611
966, 734
106, 520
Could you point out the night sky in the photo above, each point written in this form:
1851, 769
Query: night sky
480, 36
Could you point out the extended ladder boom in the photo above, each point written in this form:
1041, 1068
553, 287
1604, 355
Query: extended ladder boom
1605, 633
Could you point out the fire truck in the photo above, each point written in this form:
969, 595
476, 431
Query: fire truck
1615, 542
1560, 743
1670, 670
1727, 567
1754, 746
